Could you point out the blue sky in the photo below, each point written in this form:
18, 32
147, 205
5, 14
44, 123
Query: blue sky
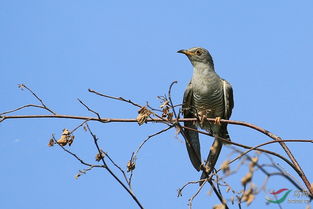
128, 48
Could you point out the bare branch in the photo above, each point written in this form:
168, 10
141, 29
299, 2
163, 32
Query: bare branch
90, 110
118, 167
115, 98
166, 118
170, 98
23, 86
74, 155
162, 120
111, 173
19, 108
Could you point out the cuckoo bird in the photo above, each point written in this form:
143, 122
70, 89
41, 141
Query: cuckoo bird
206, 96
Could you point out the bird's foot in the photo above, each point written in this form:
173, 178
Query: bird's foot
217, 121
202, 118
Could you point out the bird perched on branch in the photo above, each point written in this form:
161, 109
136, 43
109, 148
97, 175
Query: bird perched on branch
207, 96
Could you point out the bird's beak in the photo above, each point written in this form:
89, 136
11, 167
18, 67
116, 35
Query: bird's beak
186, 52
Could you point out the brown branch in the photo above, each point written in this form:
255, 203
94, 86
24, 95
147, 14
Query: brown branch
149, 137
118, 167
268, 174
134, 154
266, 151
74, 155
89, 109
95, 139
162, 120
80, 125
115, 98
170, 98
194, 196
22, 86
246, 147
19, 108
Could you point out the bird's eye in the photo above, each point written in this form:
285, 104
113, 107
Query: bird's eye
198, 52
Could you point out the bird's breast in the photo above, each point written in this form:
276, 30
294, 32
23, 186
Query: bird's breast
208, 96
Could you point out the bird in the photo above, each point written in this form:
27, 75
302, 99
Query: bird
207, 96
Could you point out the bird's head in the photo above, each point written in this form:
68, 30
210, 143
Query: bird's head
198, 55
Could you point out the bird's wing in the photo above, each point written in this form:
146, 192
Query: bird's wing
228, 98
191, 137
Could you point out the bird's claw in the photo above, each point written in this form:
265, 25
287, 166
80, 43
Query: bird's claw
217, 121
202, 117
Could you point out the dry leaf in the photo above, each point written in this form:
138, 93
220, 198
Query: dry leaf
70, 141
247, 178
225, 167
51, 143
100, 156
248, 196
254, 161
170, 116
21, 86
165, 103
131, 166
144, 113
219, 206
165, 111
66, 135
228, 189
66, 132
77, 176
63, 140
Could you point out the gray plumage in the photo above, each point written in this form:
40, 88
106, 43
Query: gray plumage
206, 96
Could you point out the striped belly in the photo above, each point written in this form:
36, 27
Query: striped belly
209, 102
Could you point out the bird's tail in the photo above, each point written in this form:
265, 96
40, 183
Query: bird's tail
193, 145
214, 153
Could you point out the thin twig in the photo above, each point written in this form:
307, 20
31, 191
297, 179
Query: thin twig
89, 109
149, 137
74, 155
80, 125
22, 86
25, 106
194, 196
134, 154
118, 167
267, 151
268, 174
170, 98
111, 173
246, 147
116, 98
